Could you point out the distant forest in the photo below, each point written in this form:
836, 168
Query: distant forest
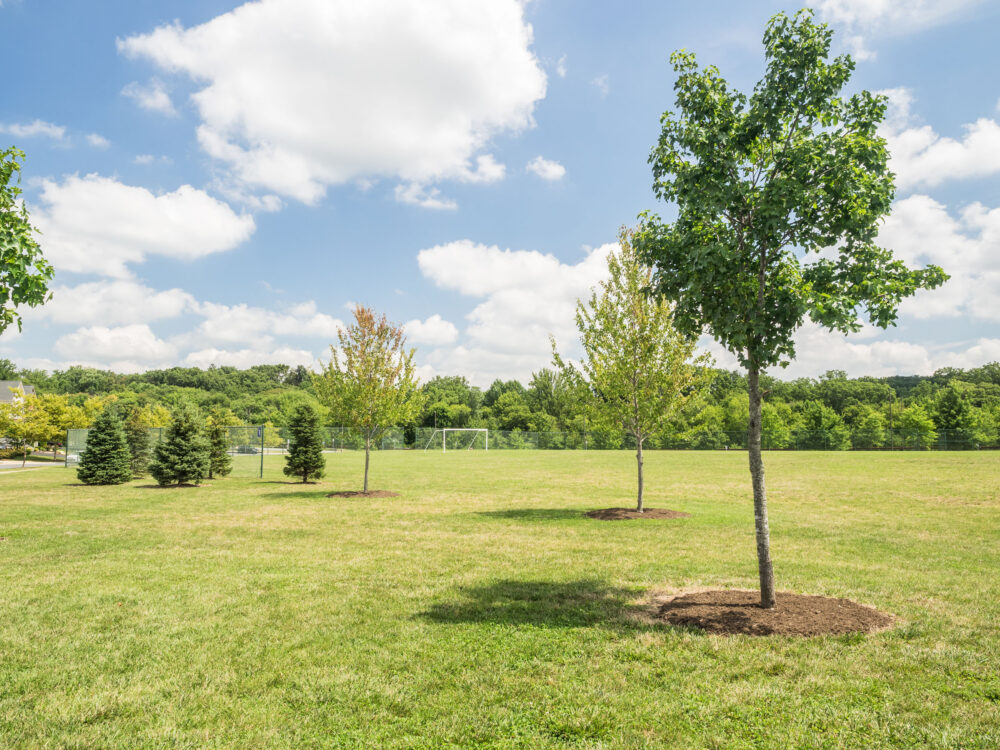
829, 412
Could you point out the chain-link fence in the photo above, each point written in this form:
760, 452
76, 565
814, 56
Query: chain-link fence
249, 444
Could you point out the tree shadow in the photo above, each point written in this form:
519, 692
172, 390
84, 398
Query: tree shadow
533, 514
316, 494
570, 604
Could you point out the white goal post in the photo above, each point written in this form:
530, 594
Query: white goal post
444, 437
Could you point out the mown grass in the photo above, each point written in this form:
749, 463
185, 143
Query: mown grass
480, 609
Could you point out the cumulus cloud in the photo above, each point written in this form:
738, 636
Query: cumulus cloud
111, 302
34, 129
602, 84
418, 194
144, 160
862, 19
299, 95
153, 97
135, 343
98, 225
922, 157
921, 230
247, 324
98, 141
561, 67
243, 358
546, 169
434, 331
526, 297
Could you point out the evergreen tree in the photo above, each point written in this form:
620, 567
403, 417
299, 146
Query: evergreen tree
305, 451
139, 444
106, 459
220, 463
183, 454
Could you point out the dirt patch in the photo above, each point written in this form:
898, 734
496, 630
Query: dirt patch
370, 493
739, 613
626, 514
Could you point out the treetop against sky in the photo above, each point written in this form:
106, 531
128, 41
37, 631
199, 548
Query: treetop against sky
218, 183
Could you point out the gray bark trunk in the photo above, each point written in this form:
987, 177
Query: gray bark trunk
764, 567
638, 458
368, 445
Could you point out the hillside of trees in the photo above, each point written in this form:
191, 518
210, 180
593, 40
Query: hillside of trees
959, 408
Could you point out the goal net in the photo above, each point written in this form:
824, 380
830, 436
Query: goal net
459, 438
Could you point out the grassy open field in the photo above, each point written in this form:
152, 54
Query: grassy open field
479, 609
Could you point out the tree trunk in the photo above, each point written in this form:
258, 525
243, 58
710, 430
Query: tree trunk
759, 493
24, 456
368, 444
638, 458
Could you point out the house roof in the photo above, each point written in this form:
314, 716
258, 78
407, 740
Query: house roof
7, 388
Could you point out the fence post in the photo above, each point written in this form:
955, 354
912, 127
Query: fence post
262, 452
66, 450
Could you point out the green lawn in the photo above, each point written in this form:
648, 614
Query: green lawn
479, 609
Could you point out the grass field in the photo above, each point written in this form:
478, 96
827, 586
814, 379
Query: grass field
479, 609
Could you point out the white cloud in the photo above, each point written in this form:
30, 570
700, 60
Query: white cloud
920, 230
135, 342
98, 141
110, 303
602, 84
420, 195
865, 18
152, 96
546, 169
244, 358
434, 331
299, 95
527, 296
145, 160
34, 129
561, 67
246, 324
98, 225
920, 156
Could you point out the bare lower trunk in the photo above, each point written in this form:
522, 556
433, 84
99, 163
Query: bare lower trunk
759, 493
638, 458
24, 457
368, 445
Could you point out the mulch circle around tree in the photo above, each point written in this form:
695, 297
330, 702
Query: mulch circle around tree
626, 514
370, 493
740, 613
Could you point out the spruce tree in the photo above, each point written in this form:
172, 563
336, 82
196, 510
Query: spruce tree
305, 450
106, 459
220, 463
183, 454
139, 445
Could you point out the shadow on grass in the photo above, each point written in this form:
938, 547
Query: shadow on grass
533, 514
304, 494
571, 604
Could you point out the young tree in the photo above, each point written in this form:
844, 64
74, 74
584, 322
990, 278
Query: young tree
305, 451
182, 456
639, 368
106, 459
370, 385
763, 184
220, 463
24, 273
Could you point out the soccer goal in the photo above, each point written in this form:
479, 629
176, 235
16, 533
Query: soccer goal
462, 438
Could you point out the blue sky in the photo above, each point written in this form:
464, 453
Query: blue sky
219, 183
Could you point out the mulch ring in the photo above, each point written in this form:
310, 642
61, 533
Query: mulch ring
740, 613
370, 493
625, 514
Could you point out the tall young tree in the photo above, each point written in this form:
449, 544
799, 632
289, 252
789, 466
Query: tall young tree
305, 450
779, 197
220, 463
640, 370
182, 456
370, 385
106, 459
24, 273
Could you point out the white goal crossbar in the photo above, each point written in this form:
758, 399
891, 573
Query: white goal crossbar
444, 437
